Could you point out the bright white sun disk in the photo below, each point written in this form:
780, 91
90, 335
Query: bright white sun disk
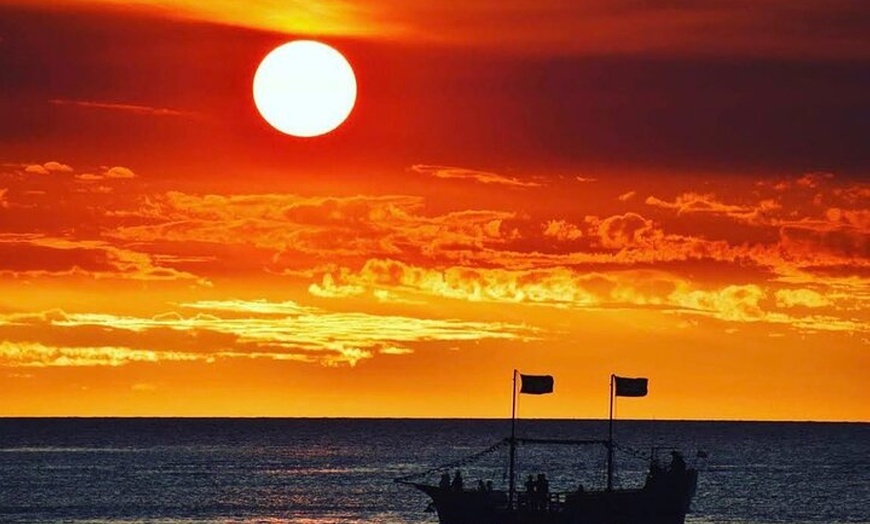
304, 88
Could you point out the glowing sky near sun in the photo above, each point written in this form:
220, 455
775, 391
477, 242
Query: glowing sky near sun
677, 193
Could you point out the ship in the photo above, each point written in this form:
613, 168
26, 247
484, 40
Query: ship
663, 497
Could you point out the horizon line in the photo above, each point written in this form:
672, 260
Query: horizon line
409, 418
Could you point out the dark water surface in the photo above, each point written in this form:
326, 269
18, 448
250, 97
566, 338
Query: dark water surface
315, 471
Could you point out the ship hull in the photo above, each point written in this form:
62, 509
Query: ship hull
656, 503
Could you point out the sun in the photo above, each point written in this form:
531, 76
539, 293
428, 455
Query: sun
304, 88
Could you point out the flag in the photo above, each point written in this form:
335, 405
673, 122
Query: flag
536, 384
630, 387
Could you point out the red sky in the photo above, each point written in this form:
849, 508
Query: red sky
679, 193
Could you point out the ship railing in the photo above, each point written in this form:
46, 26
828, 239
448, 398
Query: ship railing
555, 502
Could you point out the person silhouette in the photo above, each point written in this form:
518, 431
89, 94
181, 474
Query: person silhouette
445, 480
543, 490
678, 465
457, 481
531, 487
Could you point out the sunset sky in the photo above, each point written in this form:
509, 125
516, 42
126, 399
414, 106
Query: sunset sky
674, 190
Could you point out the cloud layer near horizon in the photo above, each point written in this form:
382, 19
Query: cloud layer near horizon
789, 253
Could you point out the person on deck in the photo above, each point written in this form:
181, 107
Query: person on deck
445, 480
531, 487
457, 481
677, 463
543, 491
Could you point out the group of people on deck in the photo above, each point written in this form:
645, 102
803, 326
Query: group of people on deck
537, 492
457, 482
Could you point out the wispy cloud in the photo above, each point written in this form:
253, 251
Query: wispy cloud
46, 256
320, 227
749, 303
461, 173
256, 329
691, 203
134, 109
35, 354
260, 307
563, 287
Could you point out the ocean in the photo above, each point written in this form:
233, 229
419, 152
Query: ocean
317, 471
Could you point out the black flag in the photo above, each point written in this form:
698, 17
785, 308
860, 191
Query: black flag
536, 384
630, 387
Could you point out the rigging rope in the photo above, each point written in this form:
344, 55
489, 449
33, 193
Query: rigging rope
504, 442
456, 464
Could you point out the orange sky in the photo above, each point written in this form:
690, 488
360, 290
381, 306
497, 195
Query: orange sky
676, 193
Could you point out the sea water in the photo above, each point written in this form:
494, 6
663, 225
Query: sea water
317, 471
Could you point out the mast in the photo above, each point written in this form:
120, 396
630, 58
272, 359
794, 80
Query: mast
513, 443
610, 441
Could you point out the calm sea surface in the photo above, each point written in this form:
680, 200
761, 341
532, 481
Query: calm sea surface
314, 471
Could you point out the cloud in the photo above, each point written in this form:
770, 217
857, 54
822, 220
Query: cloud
34, 354
831, 209
553, 286
328, 289
562, 230
625, 197
813, 180
460, 173
788, 298
47, 168
119, 172
57, 166
323, 228
708, 203
260, 329
395, 351
854, 195
290, 234
36, 169
736, 303
260, 307
35, 255
629, 230
745, 304
557, 286
134, 109
689, 258
562, 287
856, 219
388, 297
822, 243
